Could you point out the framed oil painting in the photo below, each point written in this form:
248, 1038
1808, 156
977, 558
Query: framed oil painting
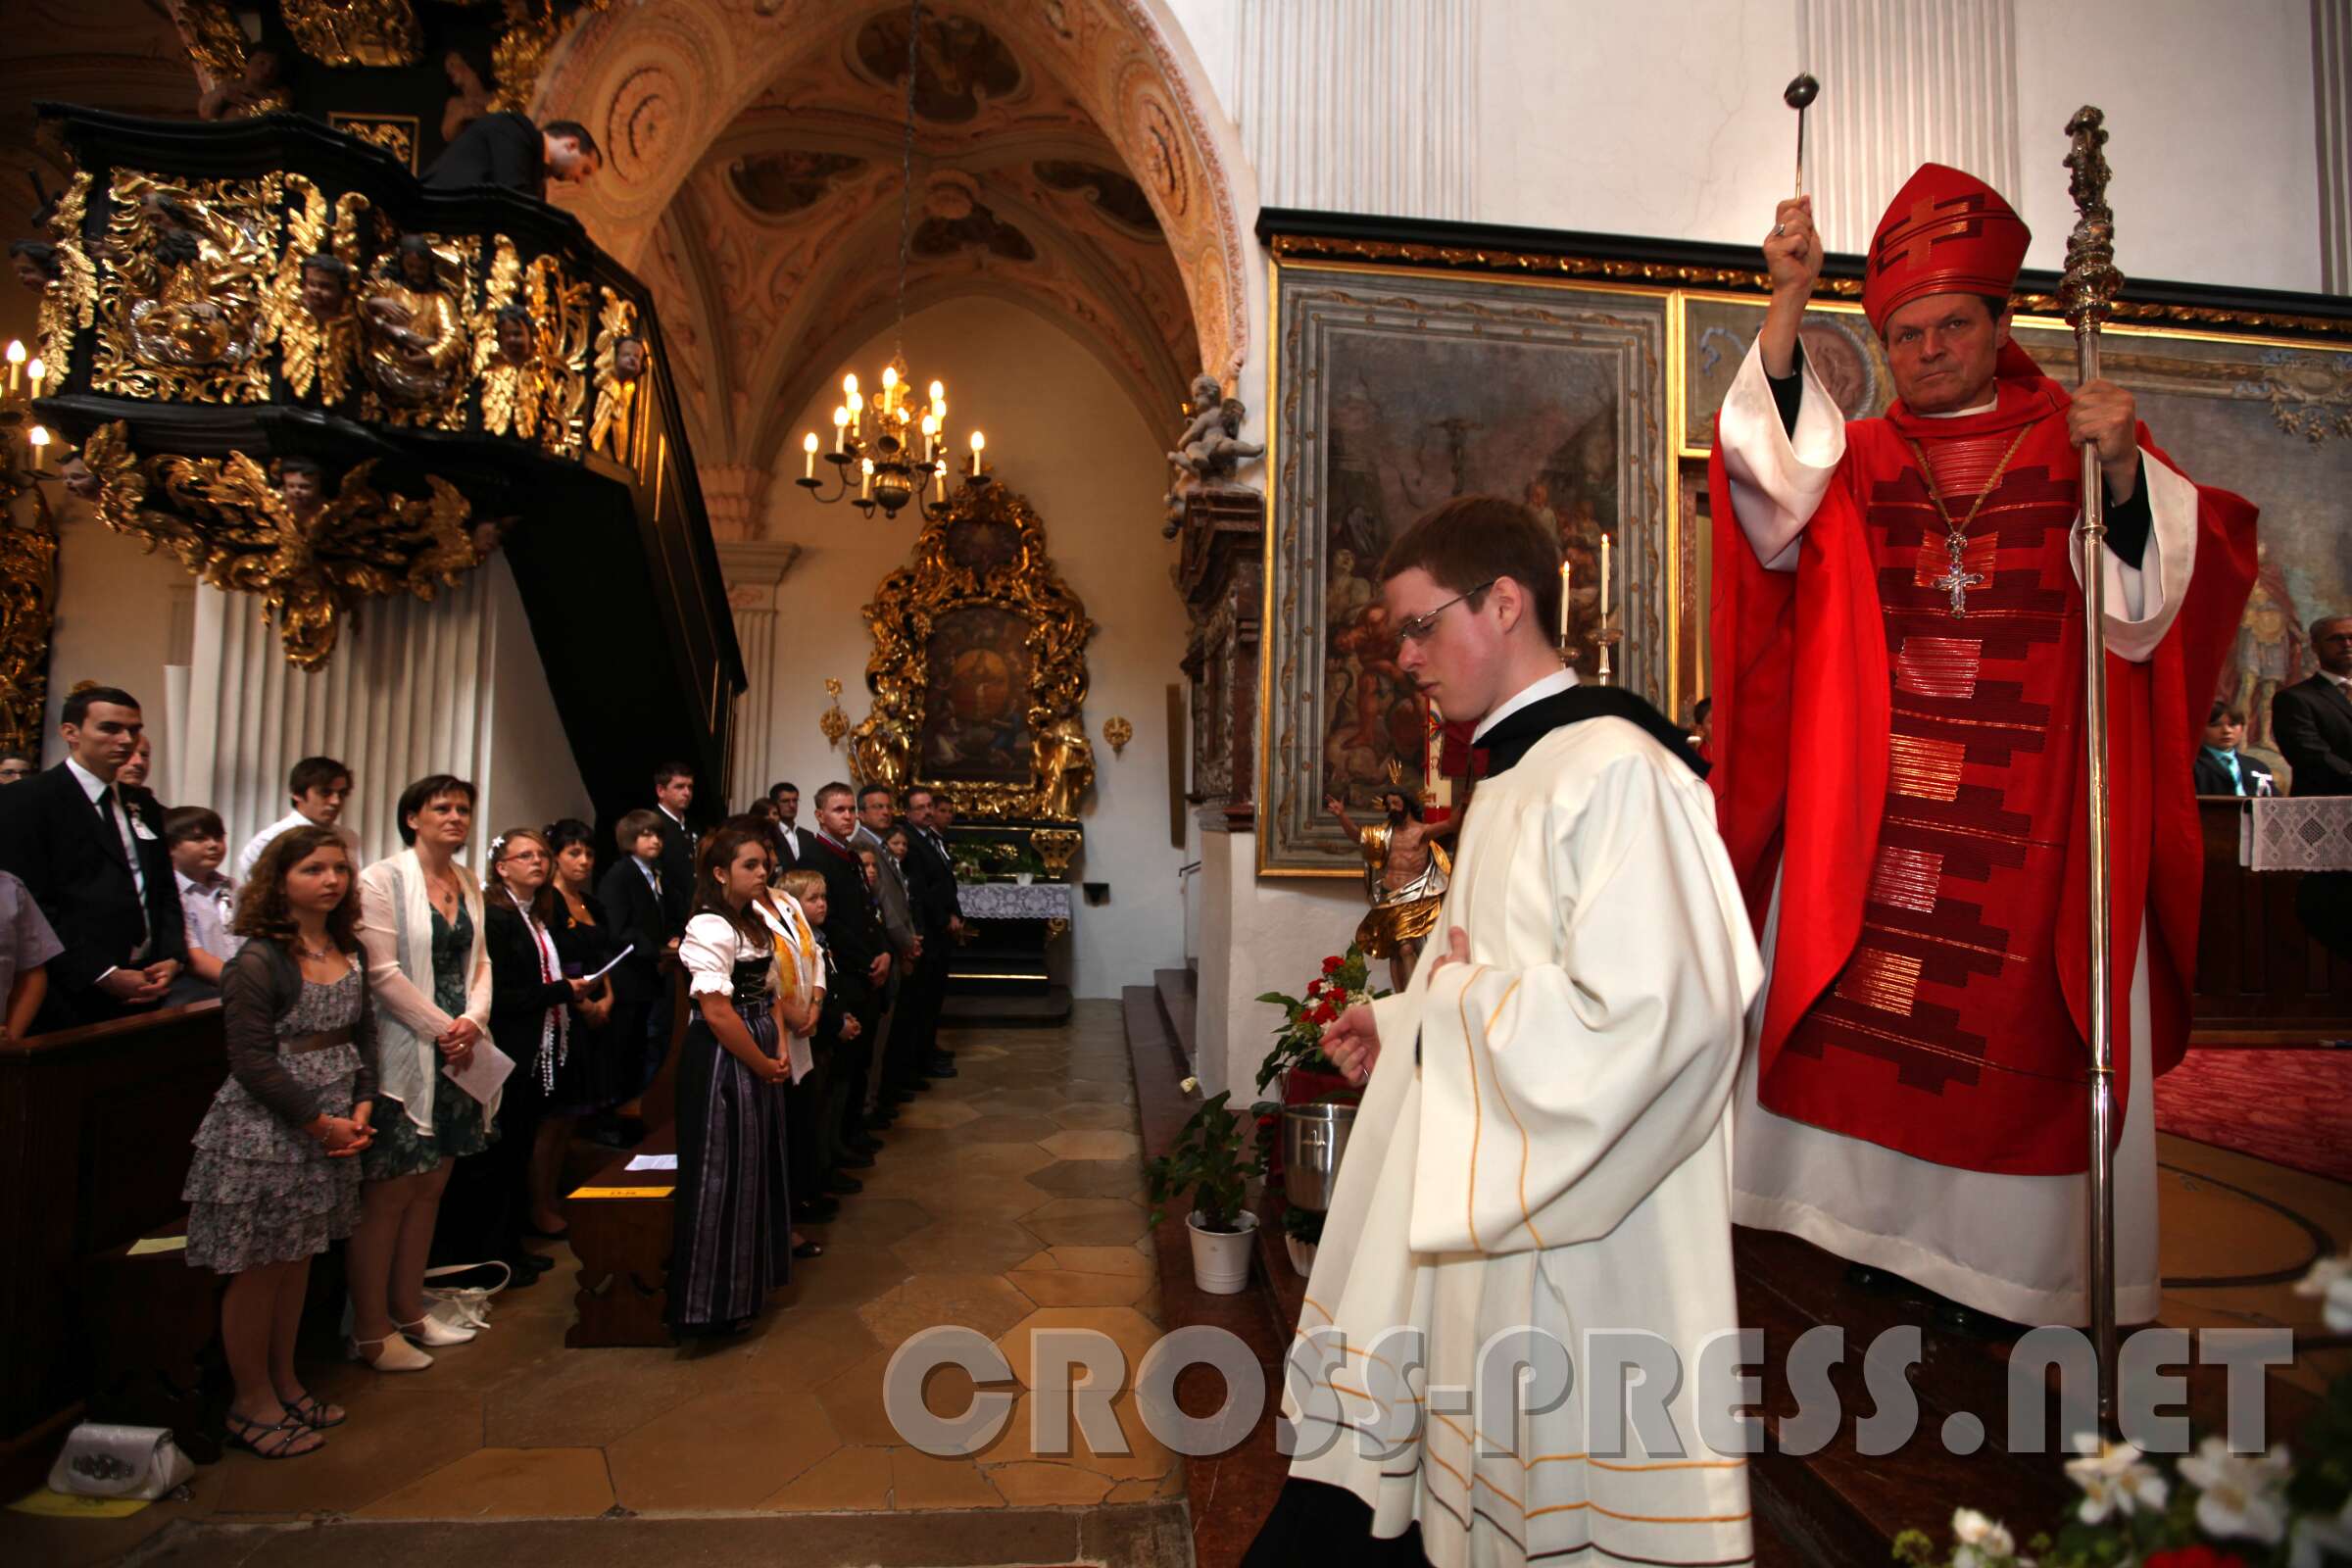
1395, 389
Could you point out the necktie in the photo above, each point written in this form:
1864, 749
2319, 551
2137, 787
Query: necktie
117, 822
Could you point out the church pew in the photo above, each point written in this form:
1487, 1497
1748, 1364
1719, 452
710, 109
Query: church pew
620, 1231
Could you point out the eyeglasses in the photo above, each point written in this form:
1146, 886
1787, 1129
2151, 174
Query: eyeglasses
1417, 628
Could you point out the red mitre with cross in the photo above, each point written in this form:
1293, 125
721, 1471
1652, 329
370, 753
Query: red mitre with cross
1945, 232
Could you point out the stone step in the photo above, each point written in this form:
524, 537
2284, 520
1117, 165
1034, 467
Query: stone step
1179, 1007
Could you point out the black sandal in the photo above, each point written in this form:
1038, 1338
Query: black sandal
310, 1412
808, 1249
286, 1429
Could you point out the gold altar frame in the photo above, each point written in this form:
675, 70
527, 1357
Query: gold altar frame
987, 551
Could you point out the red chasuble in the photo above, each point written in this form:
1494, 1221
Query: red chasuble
1915, 779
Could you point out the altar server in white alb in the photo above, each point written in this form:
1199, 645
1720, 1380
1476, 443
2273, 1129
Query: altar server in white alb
1543, 1141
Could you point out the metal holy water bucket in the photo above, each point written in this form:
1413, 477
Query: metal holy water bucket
1313, 1138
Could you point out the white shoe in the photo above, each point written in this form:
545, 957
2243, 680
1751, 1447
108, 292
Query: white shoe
389, 1354
429, 1330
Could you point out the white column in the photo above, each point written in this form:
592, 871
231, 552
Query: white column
1359, 105
412, 689
1905, 82
755, 571
2332, 105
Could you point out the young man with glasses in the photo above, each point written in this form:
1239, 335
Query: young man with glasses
1544, 1139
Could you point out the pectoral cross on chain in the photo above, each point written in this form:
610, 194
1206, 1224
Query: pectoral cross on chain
1957, 580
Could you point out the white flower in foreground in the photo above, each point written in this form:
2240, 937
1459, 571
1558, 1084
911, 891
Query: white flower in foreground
2242, 1494
1188, 1085
1978, 1541
2117, 1479
2330, 1279
2315, 1536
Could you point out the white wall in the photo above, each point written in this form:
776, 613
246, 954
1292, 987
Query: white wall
1255, 937
114, 622
1063, 432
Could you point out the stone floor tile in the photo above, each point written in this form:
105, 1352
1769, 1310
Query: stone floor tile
928, 1113
919, 1481
1131, 1331
581, 1398
1115, 1119
1086, 1222
1065, 1286
720, 1450
505, 1484
848, 1275
965, 1244
981, 1301
1093, 1144
984, 1196
392, 1438
1042, 1483
1090, 1178
1008, 1129
845, 1480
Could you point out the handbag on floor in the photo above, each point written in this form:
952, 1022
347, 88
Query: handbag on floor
110, 1461
463, 1306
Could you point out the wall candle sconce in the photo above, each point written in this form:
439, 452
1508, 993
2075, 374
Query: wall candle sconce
1118, 732
833, 721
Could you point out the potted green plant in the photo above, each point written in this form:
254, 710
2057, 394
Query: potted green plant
1301, 1231
1308, 1077
1209, 1167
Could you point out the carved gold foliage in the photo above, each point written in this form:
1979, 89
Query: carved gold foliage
559, 309
233, 524
183, 299
28, 579
612, 430
534, 380
987, 548
70, 299
394, 133
355, 32
521, 52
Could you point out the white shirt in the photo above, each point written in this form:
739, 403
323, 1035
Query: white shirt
209, 907
93, 786
1551, 685
250, 856
792, 836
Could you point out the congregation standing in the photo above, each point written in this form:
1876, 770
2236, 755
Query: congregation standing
415, 1044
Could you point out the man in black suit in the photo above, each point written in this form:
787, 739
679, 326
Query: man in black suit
506, 149
674, 794
861, 961
792, 839
2220, 767
931, 889
635, 902
2312, 719
98, 869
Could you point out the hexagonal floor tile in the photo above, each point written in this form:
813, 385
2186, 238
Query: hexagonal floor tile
1090, 1178
1091, 1143
929, 1111
1088, 1091
1117, 1118
845, 1481
1131, 1331
1086, 1221
981, 1301
720, 1450
1146, 1458
1008, 1128
505, 1484
874, 1220
988, 1197
1069, 1287
967, 1245
848, 1278
792, 1349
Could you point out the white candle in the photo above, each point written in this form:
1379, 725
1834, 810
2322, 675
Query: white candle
979, 445
841, 425
809, 450
1605, 580
865, 488
1437, 743
1565, 576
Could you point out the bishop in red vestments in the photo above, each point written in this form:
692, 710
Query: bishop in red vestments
1897, 654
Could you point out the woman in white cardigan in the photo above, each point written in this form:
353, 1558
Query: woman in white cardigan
420, 928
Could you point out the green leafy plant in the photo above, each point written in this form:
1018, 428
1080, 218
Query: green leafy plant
1213, 1159
1298, 1041
1303, 1225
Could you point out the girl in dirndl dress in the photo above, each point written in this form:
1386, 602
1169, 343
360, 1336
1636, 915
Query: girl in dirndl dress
733, 1228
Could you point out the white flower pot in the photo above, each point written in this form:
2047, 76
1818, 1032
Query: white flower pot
1023, 878
1302, 1256
1221, 1263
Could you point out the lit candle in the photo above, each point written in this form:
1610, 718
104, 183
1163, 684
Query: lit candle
16, 357
939, 474
979, 445
865, 488
39, 437
809, 450
1565, 574
849, 387
856, 412
889, 385
930, 437
1605, 580
841, 425
939, 391
35, 372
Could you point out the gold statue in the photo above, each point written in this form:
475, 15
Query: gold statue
620, 366
1066, 767
1406, 868
878, 753
416, 341
196, 275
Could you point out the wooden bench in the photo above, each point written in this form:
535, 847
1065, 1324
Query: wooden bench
152, 1323
620, 1223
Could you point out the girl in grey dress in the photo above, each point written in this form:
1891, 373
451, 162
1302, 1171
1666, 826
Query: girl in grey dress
275, 1176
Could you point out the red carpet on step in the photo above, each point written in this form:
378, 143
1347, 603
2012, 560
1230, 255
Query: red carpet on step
2290, 1106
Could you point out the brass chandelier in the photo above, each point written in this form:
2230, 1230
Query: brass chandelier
904, 453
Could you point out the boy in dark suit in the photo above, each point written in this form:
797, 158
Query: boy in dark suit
635, 900
2312, 719
2220, 767
98, 869
674, 795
